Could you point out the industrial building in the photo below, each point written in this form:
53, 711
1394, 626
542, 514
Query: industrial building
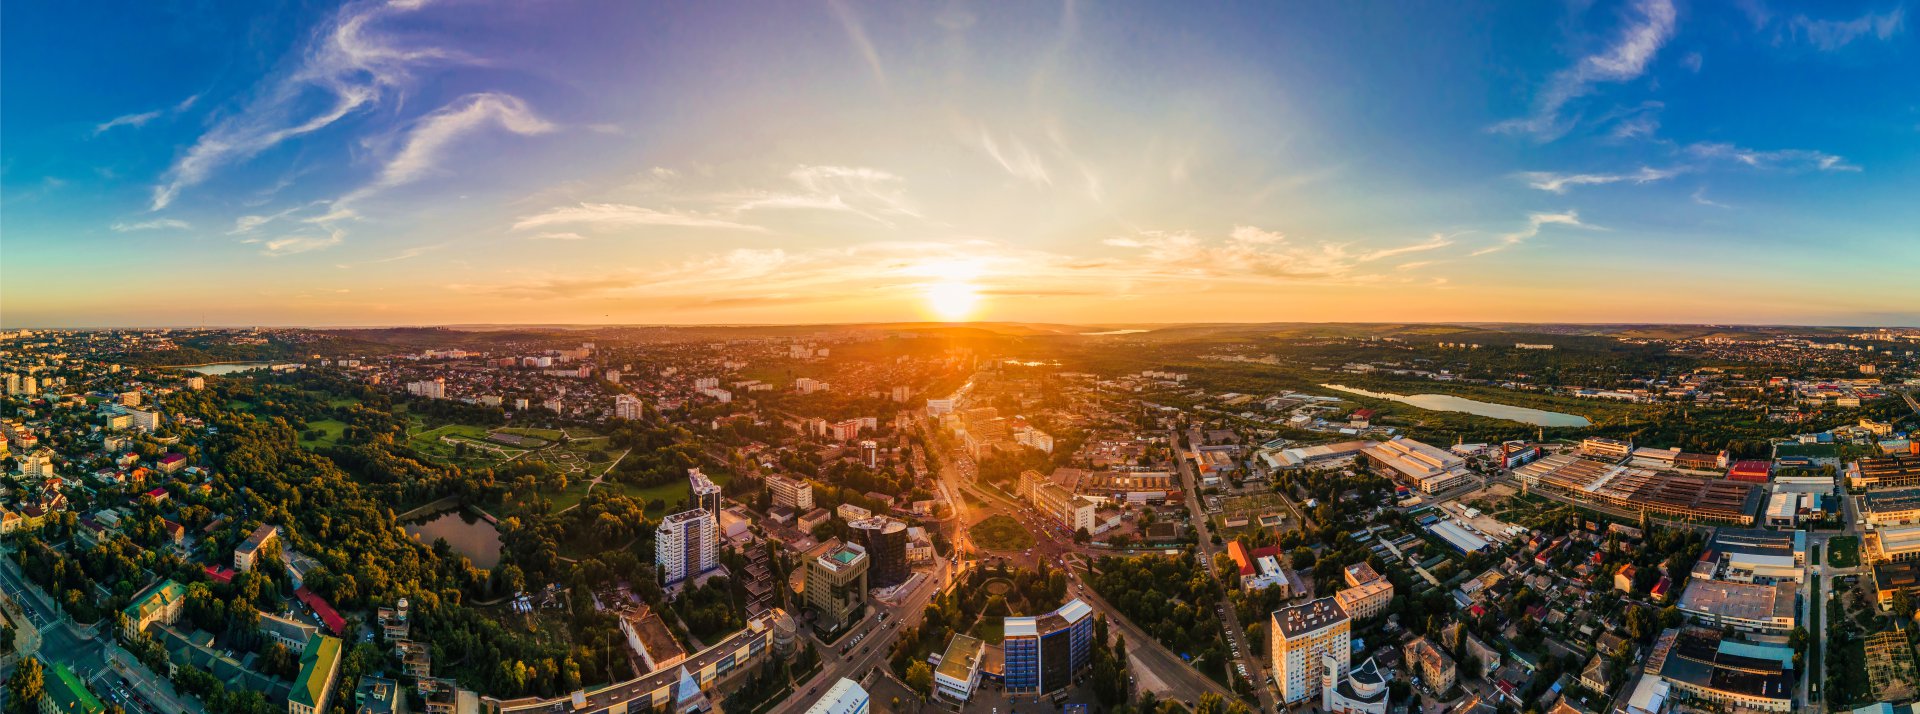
1750, 607
1418, 465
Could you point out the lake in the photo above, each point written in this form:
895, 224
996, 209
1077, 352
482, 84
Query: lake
228, 367
470, 535
1449, 403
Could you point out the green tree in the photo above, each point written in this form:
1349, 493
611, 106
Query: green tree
920, 677
24, 688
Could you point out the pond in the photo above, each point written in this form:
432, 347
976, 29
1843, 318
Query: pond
228, 367
468, 534
1449, 403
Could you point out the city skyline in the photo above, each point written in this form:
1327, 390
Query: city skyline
419, 163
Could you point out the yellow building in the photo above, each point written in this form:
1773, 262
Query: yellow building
1301, 635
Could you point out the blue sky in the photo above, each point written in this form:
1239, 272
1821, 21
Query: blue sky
448, 162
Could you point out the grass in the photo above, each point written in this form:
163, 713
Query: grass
1843, 551
1001, 532
1808, 450
990, 630
330, 431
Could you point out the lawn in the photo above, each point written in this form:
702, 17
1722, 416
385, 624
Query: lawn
1001, 532
1843, 551
484, 453
1808, 450
330, 431
990, 630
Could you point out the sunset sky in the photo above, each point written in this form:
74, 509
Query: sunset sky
699, 162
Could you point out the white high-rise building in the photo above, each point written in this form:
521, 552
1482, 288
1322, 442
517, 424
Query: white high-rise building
144, 420
793, 493
1305, 640
626, 406
685, 545
435, 388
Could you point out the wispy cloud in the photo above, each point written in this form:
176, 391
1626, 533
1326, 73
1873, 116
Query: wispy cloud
1782, 159
1535, 222
1559, 183
556, 235
346, 66
420, 154
140, 119
1016, 159
1625, 59
1700, 197
857, 34
619, 215
153, 225
1831, 35
294, 244
867, 192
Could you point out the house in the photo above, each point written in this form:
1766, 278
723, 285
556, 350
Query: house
1623, 579
1595, 676
160, 603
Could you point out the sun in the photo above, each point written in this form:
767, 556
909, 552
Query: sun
952, 300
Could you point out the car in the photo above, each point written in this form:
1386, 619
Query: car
815, 689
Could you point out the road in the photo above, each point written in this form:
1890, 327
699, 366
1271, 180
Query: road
877, 644
1203, 532
84, 651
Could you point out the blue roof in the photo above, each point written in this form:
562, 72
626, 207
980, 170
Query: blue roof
1754, 650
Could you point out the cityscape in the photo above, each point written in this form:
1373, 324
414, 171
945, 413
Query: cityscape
850, 357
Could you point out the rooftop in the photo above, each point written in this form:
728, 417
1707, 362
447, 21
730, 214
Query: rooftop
961, 658
1746, 601
1309, 617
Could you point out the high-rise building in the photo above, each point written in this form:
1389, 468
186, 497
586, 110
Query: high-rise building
706, 493
870, 453
886, 542
793, 493
836, 584
627, 406
1045, 654
1301, 636
144, 419
435, 388
844, 697
685, 545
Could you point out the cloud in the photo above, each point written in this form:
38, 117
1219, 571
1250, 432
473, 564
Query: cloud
1624, 60
867, 192
1559, 183
1692, 61
1700, 197
156, 224
858, 35
1831, 35
1535, 222
1016, 160
1781, 159
556, 236
139, 120
623, 215
428, 140
344, 68
1434, 243
294, 244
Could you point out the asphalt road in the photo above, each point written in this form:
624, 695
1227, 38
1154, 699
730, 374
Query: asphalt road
1203, 531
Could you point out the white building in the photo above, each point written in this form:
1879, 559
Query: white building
844, 697
1363, 691
435, 388
685, 545
959, 671
144, 420
1308, 641
937, 407
793, 493
627, 406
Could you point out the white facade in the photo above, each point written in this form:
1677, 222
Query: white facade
685, 545
844, 697
626, 406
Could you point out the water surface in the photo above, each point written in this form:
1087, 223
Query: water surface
1450, 403
469, 535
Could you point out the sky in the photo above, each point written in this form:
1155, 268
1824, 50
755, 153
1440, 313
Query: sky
415, 162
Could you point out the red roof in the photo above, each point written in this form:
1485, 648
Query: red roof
170, 458
1750, 471
221, 574
335, 623
158, 493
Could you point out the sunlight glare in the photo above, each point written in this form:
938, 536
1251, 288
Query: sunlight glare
952, 300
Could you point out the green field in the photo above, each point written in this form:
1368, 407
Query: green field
1000, 532
330, 433
1843, 551
990, 630
1815, 451
483, 452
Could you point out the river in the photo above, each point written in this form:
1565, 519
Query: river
227, 367
1449, 403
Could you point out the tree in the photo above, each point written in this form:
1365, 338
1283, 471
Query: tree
1903, 605
920, 677
24, 688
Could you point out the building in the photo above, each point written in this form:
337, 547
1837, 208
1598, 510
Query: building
1749, 554
938, 407
144, 419
1897, 471
1751, 607
1733, 674
1751, 471
287, 631
1046, 653
1891, 507
1071, 511
812, 519
435, 388
686, 545
160, 603
844, 697
379, 695
261, 537
1362, 691
1584, 480
64, 692
313, 686
650, 640
836, 585
664, 689
794, 493
706, 494
959, 670
1366, 599
869, 453
627, 406
1435, 666
1609, 449
885, 541
1427, 468
1305, 640
1623, 578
